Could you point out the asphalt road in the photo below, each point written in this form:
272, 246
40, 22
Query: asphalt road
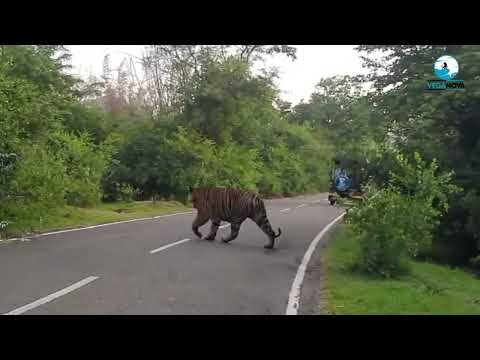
123, 268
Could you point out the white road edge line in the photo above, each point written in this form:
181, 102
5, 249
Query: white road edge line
53, 296
285, 210
169, 245
97, 226
294, 296
300, 206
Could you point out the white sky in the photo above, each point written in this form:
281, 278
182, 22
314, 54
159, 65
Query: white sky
297, 78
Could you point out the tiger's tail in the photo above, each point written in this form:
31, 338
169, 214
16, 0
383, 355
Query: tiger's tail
263, 222
279, 233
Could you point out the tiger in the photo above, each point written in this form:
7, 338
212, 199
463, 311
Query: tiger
233, 206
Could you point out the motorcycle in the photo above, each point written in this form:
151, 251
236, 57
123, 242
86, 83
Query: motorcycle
344, 184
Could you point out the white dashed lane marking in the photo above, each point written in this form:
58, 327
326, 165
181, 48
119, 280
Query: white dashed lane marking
53, 296
169, 245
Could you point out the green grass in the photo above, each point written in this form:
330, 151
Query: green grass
428, 289
72, 217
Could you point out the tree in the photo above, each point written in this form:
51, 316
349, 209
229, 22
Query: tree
171, 70
43, 65
251, 53
441, 125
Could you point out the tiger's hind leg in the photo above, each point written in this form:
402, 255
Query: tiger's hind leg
200, 220
235, 228
213, 230
262, 221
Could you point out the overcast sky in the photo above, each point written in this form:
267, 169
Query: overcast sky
297, 78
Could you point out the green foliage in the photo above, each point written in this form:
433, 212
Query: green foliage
43, 166
39, 64
25, 111
315, 153
399, 221
287, 166
127, 192
228, 103
7, 166
37, 190
422, 181
193, 160
32, 180
202, 163
380, 226
237, 166
442, 125
85, 167
88, 119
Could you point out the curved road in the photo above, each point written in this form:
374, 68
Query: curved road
129, 268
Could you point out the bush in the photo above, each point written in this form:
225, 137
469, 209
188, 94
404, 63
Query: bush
237, 166
399, 221
287, 167
38, 190
269, 183
379, 224
85, 164
87, 119
126, 192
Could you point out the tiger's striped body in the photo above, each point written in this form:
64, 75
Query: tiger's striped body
233, 206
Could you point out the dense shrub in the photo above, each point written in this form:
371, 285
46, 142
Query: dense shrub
399, 221
85, 165
38, 189
380, 225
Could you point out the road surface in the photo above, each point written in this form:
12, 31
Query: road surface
149, 267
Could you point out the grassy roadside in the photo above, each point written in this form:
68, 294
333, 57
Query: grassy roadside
429, 289
72, 217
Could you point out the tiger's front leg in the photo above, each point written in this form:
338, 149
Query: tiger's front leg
235, 228
200, 220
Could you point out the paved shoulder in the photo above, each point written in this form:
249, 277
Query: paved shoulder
314, 296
